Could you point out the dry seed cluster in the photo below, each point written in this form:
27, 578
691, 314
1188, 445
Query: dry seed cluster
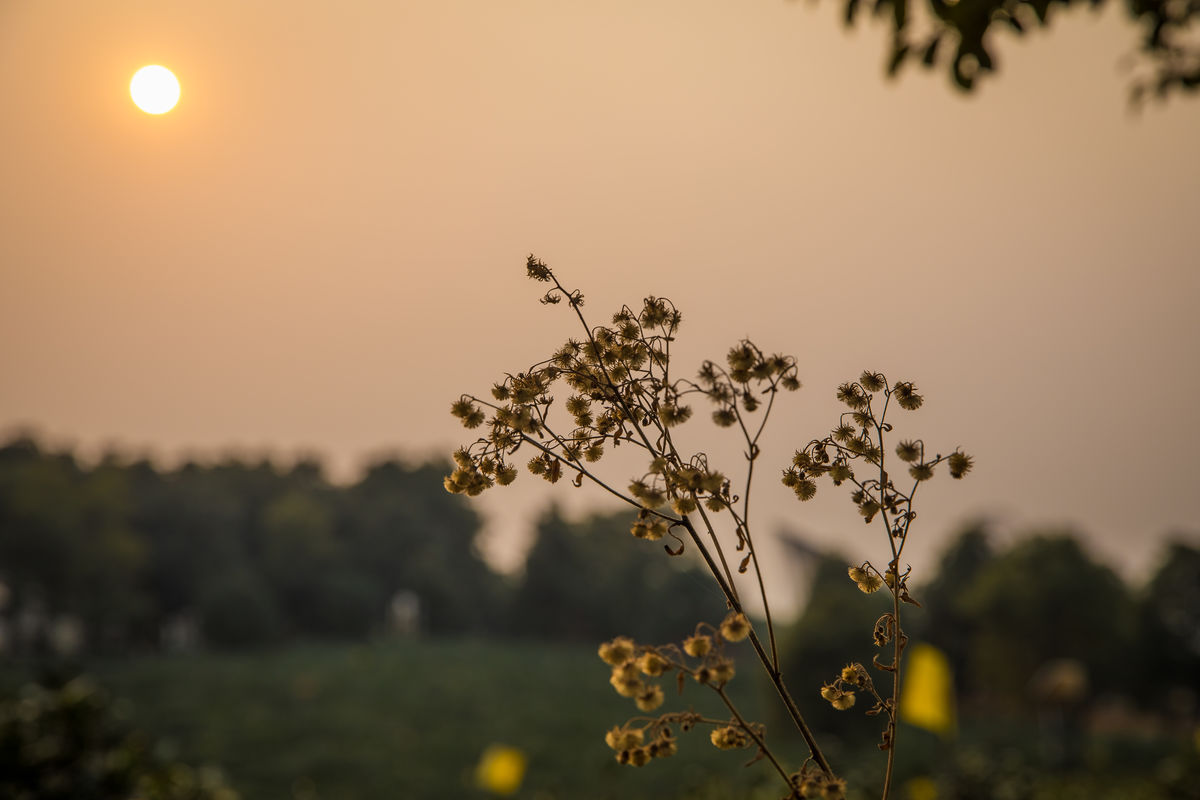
700, 657
619, 390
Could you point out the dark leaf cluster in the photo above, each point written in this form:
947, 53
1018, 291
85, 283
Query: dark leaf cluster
960, 35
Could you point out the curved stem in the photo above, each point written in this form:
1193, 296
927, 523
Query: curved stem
758, 740
774, 674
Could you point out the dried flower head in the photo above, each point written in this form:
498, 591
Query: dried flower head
909, 451
853, 396
722, 672
735, 627
623, 738
921, 472
906, 395
684, 504
469, 413
664, 746
618, 651
729, 738
536, 269
872, 381
870, 583
506, 474
625, 680
672, 415
652, 664
960, 464
843, 701
804, 488
725, 417
650, 697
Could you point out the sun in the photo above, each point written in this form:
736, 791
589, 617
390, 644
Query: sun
154, 89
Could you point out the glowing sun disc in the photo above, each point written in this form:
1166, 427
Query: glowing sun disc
154, 89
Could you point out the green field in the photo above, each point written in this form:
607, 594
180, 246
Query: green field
410, 719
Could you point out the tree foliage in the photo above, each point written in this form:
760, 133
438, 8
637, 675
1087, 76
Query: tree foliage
961, 36
590, 580
1169, 622
1001, 614
1062, 603
948, 622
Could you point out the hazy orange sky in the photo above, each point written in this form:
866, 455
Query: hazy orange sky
323, 244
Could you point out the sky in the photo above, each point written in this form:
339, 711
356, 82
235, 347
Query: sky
323, 244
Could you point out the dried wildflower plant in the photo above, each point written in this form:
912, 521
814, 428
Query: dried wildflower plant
620, 391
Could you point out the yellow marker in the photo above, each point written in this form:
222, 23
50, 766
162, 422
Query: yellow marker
500, 770
921, 789
927, 696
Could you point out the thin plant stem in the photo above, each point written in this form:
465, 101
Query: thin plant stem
775, 676
758, 740
898, 636
751, 457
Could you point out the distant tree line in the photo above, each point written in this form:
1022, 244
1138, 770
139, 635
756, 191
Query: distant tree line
257, 553
251, 551
132, 556
1037, 623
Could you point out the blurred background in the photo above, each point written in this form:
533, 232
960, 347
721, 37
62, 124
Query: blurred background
233, 332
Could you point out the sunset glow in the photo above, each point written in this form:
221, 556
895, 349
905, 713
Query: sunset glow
278, 262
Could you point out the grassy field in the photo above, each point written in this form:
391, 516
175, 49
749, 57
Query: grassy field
410, 719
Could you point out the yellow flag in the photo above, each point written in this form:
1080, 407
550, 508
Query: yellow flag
500, 770
927, 695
